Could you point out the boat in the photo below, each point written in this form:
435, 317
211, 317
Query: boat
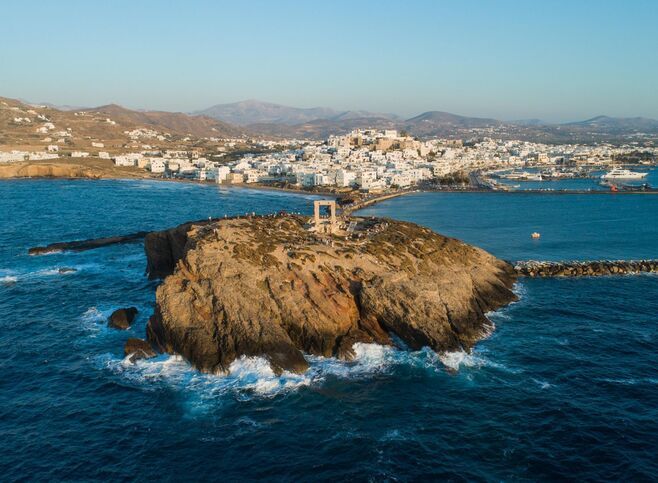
619, 173
515, 175
522, 176
534, 177
535, 235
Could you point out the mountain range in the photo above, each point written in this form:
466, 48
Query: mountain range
270, 119
255, 118
250, 112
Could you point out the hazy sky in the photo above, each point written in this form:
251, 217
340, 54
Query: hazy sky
550, 59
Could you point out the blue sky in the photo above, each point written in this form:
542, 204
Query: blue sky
552, 59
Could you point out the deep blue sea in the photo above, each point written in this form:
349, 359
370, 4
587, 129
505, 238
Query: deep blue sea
565, 388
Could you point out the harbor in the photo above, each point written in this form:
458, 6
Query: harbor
581, 179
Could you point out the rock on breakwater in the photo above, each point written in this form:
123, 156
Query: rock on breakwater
266, 286
596, 268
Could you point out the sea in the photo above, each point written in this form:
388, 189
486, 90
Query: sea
565, 388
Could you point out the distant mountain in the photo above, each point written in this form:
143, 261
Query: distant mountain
530, 122
445, 124
59, 107
322, 128
616, 124
446, 118
257, 112
175, 122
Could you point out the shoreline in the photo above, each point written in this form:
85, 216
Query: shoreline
77, 170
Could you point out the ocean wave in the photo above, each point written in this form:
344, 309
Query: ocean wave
94, 319
520, 290
94, 314
542, 384
51, 271
247, 376
631, 381
253, 377
8, 280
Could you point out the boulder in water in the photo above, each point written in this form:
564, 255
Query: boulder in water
122, 318
137, 349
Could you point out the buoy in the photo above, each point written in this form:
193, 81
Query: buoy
535, 235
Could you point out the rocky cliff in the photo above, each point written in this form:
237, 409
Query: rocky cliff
92, 169
267, 286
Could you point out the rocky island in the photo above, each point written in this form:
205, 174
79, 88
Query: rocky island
279, 286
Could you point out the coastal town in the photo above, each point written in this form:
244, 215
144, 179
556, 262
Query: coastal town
363, 160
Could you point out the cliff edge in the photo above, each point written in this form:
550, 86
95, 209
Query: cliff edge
267, 286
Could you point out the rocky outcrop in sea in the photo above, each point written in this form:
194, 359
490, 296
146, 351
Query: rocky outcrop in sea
267, 286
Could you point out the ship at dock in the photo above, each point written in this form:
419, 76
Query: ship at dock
623, 174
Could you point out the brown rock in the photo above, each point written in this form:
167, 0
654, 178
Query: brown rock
122, 318
165, 248
266, 286
138, 349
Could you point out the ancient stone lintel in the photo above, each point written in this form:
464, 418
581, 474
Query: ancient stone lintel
322, 225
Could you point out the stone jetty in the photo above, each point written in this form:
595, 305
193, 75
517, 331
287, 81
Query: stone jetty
82, 245
590, 268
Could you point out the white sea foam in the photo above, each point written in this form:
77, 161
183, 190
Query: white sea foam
457, 359
253, 377
542, 384
8, 280
519, 289
631, 381
47, 272
93, 314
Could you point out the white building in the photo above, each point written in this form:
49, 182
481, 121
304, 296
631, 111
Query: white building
157, 166
222, 173
345, 178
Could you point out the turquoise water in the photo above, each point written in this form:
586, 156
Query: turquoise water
565, 388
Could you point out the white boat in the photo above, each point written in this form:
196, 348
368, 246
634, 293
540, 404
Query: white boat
534, 177
619, 173
522, 176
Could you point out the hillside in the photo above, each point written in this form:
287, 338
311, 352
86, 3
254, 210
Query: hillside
445, 124
33, 127
322, 128
174, 122
616, 124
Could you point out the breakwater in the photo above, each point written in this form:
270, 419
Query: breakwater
591, 268
363, 203
90, 244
